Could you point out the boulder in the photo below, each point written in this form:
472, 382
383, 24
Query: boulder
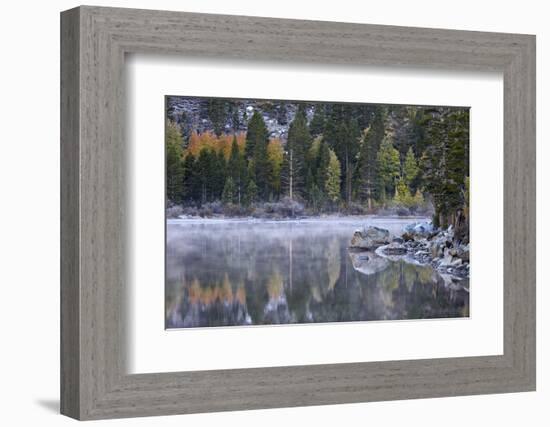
419, 229
407, 237
370, 238
368, 262
394, 248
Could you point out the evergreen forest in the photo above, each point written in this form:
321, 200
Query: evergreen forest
264, 158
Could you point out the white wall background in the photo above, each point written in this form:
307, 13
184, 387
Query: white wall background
29, 215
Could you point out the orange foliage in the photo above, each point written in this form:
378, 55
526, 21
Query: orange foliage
209, 140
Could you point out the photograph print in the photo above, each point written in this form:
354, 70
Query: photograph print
296, 212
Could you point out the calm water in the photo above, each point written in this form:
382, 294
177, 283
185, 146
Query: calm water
235, 272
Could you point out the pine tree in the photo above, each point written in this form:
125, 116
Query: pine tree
445, 161
322, 165
174, 164
228, 195
388, 166
294, 172
256, 153
217, 110
317, 124
203, 179
340, 148
251, 193
400, 125
367, 168
410, 168
191, 185
236, 169
281, 113
256, 133
218, 174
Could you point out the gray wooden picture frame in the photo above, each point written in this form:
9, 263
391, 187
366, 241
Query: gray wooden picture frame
94, 382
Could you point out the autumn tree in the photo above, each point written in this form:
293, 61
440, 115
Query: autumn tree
332, 182
275, 155
388, 168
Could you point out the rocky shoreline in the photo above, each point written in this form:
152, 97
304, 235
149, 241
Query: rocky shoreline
420, 243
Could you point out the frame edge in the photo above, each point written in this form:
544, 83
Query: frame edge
70, 390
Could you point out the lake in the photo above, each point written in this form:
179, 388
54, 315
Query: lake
262, 272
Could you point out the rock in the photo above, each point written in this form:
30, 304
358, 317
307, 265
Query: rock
398, 240
436, 250
419, 229
370, 238
368, 262
394, 248
407, 237
463, 252
446, 261
456, 262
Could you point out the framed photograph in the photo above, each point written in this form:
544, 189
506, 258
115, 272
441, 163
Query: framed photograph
261, 213
293, 212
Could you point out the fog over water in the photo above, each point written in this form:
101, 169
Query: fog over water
258, 272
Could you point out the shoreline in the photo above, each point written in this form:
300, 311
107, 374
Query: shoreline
304, 219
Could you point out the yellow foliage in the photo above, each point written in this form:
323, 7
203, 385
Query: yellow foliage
209, 140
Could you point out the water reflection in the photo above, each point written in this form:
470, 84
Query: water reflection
243, 273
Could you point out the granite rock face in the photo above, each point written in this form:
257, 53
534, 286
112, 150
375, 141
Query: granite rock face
191, 113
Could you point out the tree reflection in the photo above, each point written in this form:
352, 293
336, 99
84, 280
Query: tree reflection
273, 273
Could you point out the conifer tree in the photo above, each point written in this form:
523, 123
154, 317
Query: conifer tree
388, 167
217, 111
368, 178
174, 164
191, 185
317, 124
251, 193
322, 164
218, 174
294, 171
228, 195
203, 167
256, 133
410, 168
445, 161
256, 152
236, 169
